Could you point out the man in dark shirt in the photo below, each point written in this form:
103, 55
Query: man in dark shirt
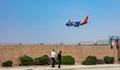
59, 56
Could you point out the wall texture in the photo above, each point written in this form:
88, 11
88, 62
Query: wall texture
13, 52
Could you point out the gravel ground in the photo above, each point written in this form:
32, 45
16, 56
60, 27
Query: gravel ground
66, 67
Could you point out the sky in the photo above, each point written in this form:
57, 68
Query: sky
43, 21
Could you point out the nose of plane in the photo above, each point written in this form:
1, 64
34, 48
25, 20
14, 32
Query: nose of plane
67, 24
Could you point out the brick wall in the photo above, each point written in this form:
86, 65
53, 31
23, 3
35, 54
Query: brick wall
13, 52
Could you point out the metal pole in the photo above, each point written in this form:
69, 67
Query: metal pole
117, 46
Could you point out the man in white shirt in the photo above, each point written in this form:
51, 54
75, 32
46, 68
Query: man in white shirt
53, 55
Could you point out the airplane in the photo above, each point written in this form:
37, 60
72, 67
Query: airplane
77, 24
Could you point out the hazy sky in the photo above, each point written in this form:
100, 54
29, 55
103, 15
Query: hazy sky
36, 21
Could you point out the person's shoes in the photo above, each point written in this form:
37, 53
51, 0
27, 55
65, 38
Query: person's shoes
53, 66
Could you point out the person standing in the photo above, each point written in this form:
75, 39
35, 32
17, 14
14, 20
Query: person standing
53, 54
59, 56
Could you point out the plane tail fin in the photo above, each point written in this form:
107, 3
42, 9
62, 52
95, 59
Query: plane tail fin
84, 20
